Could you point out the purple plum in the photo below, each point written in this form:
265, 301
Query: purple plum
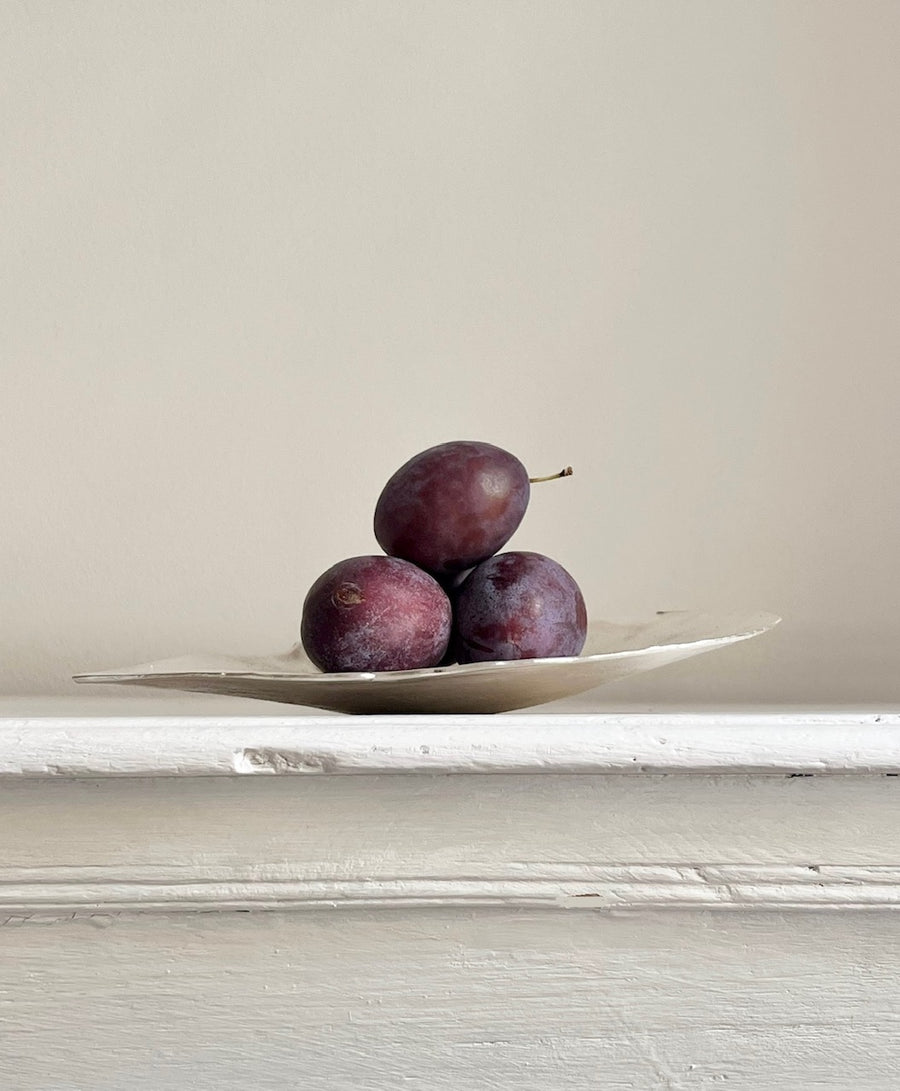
452, 506
375, 613
518, 605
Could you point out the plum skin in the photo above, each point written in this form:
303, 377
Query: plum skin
518, 605
452, 506
375, 613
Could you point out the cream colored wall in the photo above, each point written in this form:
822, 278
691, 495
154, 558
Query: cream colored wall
258, 254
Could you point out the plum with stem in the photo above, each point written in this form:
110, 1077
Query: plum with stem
453, 506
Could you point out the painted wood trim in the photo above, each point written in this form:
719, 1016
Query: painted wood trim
86, 891
143, 746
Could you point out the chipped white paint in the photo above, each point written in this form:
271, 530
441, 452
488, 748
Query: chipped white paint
553, 925
802, 742
73, 890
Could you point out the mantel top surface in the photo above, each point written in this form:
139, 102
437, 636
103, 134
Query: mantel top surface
92, 737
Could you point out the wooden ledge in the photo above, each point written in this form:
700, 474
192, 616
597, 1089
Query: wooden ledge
789, 743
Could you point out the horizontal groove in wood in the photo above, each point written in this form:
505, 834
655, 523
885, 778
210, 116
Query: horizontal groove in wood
74, 890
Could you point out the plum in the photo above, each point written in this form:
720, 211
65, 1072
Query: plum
375, 613
518, 605
452, 506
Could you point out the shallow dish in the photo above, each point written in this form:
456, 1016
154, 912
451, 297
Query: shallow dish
613, 651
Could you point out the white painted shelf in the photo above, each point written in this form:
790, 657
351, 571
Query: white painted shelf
709, 742
196, 895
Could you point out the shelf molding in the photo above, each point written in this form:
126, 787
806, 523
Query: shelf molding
788, 743
81, 891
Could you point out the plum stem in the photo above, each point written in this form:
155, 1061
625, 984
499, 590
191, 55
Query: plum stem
567, 472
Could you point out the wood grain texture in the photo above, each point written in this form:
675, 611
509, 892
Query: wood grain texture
437, 1000
73, 891
551, 840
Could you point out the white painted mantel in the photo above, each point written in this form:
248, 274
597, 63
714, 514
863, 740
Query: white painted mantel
195, 897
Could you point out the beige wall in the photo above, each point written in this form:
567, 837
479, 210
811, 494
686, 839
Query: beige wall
256, 254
